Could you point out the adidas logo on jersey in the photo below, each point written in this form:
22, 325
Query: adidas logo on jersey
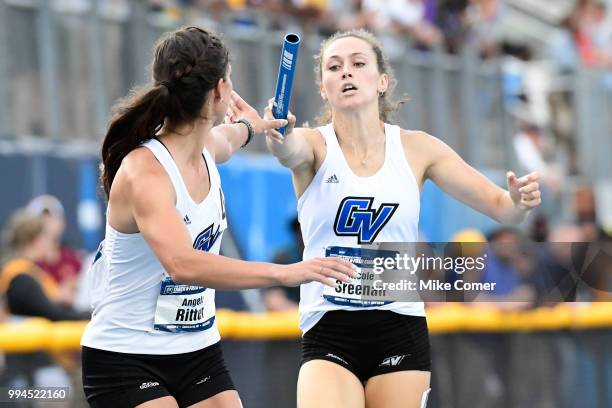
186, 219
332, 179
393, 361
146, 385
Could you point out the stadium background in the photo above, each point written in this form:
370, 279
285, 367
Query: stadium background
480, 75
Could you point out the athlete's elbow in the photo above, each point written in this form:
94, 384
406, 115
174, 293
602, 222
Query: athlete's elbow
178, 268
288, 162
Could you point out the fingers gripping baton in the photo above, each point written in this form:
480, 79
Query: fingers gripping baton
286, 70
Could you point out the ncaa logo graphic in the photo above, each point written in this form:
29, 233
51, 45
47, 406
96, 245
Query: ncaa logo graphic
356, 217
206, 239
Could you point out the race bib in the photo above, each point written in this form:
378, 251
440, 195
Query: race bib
360, 291
183, 308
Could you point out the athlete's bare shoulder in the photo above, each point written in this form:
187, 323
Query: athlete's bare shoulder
310, 148
420, 150
415, 138
140, 171
140, 164
422, 143
312, 135
139, 178
314, 138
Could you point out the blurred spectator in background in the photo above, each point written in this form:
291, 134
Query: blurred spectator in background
450, 18
533, 152
286, 298
510, 268
562, 49
584, 208
589, 25
593, 33
398, 23
530, 150
555, 282
482, 22
63, 262
31, 292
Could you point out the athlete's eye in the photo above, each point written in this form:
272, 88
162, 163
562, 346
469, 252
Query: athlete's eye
334, 67
359, 64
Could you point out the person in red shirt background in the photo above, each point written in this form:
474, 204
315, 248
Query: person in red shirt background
64, 264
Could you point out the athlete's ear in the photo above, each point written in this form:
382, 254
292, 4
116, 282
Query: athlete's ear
217, 89
222, 89
322, 92
383, 82
224, 86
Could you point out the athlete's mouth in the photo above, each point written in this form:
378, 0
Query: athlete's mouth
348, 87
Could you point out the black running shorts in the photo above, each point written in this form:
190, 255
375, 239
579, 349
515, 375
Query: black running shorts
369, 342
121, 380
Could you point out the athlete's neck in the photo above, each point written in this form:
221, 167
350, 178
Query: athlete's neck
362, 129
186, 142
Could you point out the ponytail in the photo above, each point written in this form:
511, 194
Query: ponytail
187, 65
137, 119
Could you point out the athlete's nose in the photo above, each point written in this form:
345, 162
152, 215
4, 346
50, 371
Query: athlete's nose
346, 74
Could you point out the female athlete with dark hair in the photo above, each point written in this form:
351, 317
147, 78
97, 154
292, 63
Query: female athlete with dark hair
153, 339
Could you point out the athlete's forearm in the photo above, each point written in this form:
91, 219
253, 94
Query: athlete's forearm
292, 152
220, 272
228, 138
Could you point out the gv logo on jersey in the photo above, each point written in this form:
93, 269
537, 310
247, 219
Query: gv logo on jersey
206, 239
356, 217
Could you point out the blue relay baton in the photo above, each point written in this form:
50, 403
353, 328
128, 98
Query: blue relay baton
286, 70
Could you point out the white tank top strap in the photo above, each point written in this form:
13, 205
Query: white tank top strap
392, 133
213, 172
164, 157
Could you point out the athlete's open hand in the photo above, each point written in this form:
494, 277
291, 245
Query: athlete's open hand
239, 108
324, 270
273, 133
524, 191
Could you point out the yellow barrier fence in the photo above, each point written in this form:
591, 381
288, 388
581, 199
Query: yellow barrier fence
40, 334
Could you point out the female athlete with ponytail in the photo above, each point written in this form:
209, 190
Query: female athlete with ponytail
153, 339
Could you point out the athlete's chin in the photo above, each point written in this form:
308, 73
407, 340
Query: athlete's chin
350, 105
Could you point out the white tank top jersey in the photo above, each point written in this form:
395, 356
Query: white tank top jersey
339, 212
137, 308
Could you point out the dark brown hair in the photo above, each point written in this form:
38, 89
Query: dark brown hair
187, 65
387, 104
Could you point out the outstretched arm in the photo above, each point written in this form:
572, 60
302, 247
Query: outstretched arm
459, 179
294, 150
152, 202
229, 137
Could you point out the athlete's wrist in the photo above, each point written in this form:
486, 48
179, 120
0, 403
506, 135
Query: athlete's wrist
250, 130
516, 213
274, 273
